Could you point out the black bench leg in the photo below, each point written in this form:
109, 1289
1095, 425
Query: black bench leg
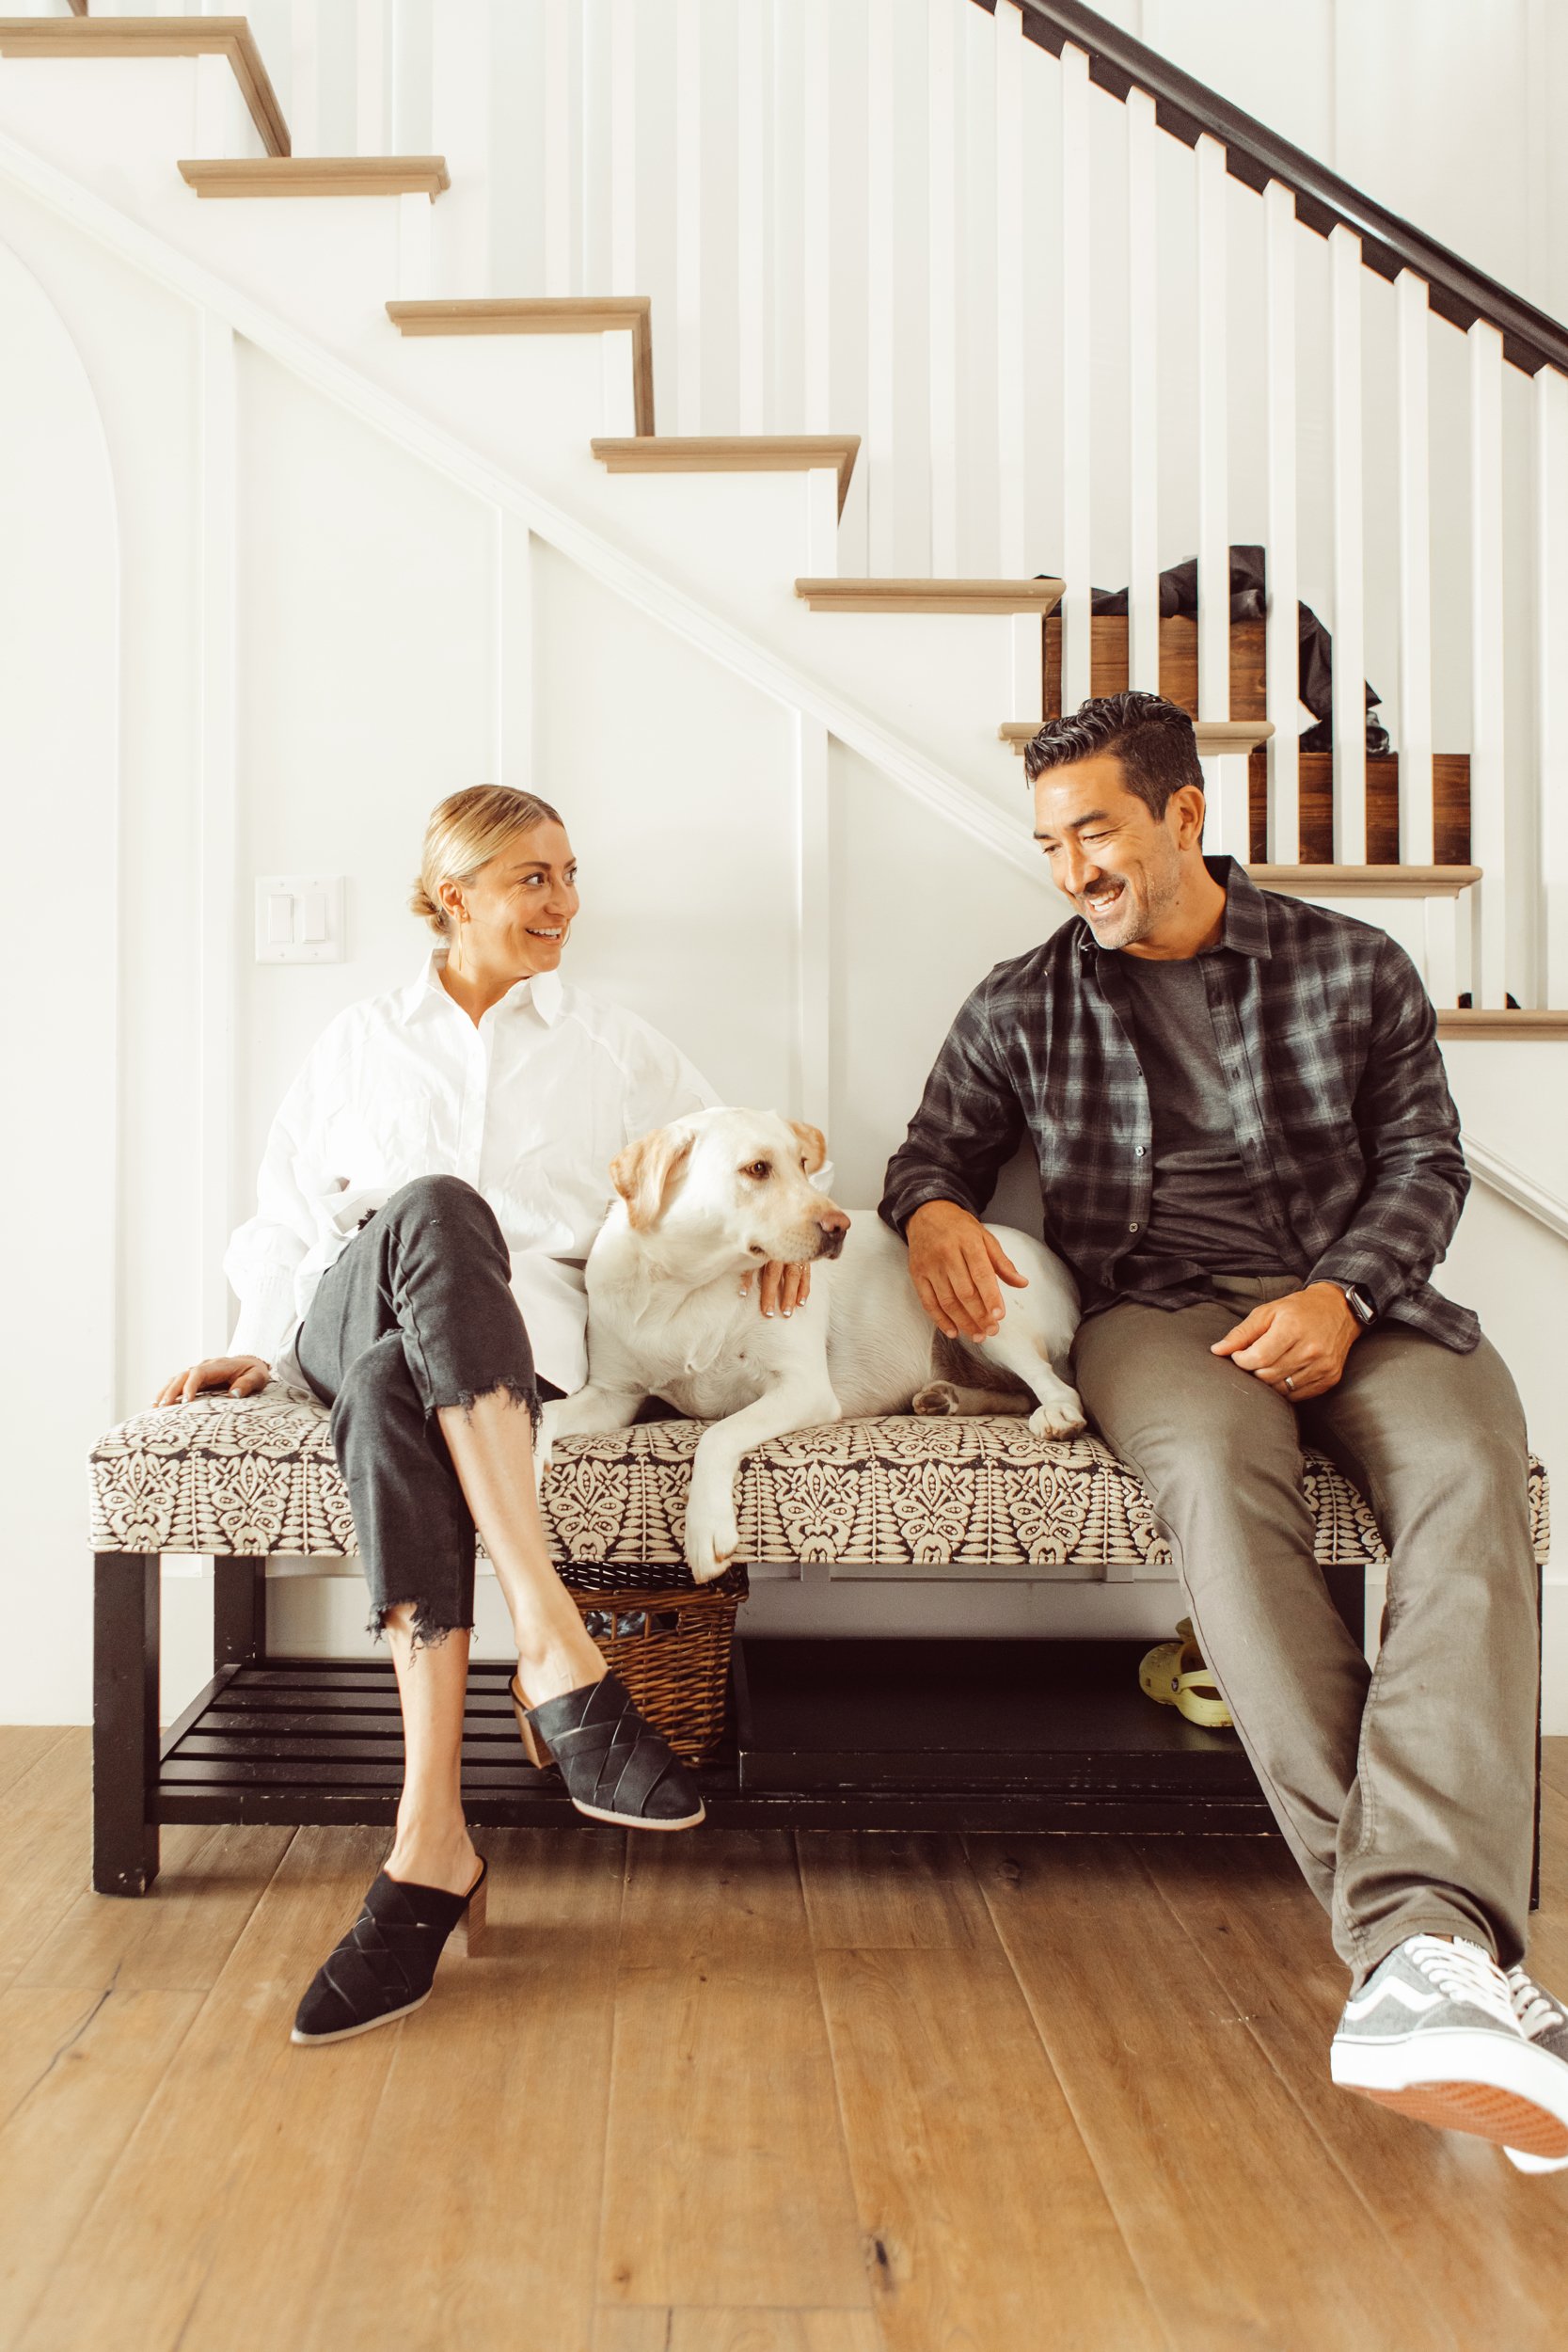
1347, 1589
239, 1613
125, 1722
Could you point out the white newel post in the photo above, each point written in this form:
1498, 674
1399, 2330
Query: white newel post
942, 195
1228, 827
1143, 393
1551, 672
1077, 394
1349, 657
1282, 639
1492, 952
1418, 824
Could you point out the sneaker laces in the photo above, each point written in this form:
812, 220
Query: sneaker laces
1466, 1973
1534, 2006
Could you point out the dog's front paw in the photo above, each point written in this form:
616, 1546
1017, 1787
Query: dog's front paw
1061, 1416
712, 1541
937, 1396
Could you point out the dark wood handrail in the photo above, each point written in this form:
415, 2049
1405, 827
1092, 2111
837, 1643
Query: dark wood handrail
1255, 155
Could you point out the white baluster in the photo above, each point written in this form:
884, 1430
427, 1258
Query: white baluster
1281, 648
1350, 659
304, 79
689, 216
752, 27
816, 261
881, 453
372, 78
512, 179
1011, 308
1551, 671
218, 487
413, 77
1229, 824
1076, 340
1492, 952
1418, 821
623, 149
558, 118
595, 194
943, 266
1143, 393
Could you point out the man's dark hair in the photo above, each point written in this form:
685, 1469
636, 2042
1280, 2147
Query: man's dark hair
1151, 738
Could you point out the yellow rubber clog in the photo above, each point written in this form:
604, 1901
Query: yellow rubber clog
1174, 1673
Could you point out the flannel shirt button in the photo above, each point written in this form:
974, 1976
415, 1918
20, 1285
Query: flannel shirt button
1134, 1226
1137, 1151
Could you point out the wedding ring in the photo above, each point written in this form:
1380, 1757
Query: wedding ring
1288, 1382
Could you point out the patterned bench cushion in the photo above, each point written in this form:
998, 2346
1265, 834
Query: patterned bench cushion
257, 1475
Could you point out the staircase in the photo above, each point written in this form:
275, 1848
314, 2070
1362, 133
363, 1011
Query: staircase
1479, 836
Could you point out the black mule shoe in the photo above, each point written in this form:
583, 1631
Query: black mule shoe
616, 1766
385, 1963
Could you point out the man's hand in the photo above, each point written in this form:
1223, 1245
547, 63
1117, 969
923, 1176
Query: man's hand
1297, 1343
241, 1376
955, 1265
781, 1288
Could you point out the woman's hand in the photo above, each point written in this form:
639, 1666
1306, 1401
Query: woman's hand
241, 1376
783, 1287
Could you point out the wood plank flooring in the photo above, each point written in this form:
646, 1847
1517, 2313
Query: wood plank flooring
740, 2092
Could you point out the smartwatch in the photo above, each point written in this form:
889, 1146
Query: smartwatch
1361, 1306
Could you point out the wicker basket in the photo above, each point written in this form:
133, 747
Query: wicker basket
670, 1645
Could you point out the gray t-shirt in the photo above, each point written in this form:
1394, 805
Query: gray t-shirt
1203, 1212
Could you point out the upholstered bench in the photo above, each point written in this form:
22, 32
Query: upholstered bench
253, 1482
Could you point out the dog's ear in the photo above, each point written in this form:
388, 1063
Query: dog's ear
814, 1143
643, 1173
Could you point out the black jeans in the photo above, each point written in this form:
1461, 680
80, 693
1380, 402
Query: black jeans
417, 1313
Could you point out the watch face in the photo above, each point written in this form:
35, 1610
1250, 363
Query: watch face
1360, 1305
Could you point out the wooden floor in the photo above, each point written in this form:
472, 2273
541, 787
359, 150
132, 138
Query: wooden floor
737, 2092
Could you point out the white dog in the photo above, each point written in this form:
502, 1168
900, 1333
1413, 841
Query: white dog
717, 1195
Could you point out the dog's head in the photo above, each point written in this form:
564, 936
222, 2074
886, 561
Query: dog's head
732, 1178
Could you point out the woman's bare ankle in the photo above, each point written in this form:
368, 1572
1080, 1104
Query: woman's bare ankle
434, 1855
556, 1668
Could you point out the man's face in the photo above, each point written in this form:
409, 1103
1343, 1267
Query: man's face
1123, 867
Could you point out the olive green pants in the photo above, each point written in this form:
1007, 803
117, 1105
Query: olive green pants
1406, 1791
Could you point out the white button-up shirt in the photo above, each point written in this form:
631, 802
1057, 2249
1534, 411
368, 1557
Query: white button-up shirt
529, 1106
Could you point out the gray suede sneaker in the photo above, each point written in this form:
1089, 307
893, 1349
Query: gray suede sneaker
1542, 2021
1434, 2033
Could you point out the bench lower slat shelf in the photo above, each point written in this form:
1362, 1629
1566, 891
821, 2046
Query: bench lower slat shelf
882, 1735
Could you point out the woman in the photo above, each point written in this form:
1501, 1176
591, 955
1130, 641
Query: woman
430, 1186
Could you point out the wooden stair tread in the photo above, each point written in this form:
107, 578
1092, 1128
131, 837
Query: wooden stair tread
319, 175
231, 36
998, 596
547, 315
1482, 1022
733, 453
1215, 737
1364, 882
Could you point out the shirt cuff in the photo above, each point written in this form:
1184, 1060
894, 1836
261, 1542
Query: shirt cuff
265, 1317
897, 1212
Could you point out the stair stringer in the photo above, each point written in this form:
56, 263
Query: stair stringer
976, 652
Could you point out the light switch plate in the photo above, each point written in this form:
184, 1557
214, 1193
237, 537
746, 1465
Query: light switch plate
299, 918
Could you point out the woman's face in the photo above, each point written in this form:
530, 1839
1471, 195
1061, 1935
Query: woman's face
519, 908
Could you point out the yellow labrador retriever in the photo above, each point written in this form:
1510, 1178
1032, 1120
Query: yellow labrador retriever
714, 1197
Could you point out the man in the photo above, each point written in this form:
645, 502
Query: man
1249, 1157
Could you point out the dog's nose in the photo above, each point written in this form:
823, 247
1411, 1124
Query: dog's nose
831, 1225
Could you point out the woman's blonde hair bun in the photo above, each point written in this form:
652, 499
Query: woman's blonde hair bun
468, 830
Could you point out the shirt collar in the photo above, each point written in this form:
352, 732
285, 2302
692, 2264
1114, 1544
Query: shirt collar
545, 990
1246, 927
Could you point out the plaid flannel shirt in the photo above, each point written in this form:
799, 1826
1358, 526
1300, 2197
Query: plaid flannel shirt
1343, 1120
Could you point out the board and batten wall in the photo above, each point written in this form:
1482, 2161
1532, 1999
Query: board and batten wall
272, 647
